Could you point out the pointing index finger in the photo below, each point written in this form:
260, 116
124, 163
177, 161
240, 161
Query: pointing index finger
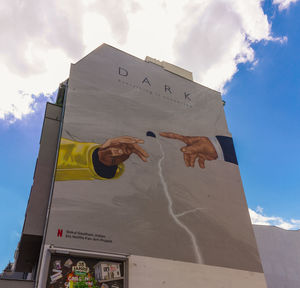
172, 135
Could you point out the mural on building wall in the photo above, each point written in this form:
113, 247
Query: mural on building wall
88, 161
148, 167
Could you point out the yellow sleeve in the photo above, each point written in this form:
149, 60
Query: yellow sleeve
75, 162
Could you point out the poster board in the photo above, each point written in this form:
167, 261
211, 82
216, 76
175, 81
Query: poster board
67, 271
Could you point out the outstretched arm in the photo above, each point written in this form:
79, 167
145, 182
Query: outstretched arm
197, 148
202, 149
115, 151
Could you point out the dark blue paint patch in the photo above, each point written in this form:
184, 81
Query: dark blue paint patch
150, 134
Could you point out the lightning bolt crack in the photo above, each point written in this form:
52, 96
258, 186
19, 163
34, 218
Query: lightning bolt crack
198, 256
188, 212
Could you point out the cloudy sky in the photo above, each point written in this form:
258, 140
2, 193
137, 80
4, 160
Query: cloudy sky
248, 50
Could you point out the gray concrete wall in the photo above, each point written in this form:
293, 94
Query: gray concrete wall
280, 255
16, 283
39, 195
152, 272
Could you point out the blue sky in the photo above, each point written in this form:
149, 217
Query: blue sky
263, 114
251, 54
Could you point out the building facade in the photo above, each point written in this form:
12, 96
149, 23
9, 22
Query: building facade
137, 168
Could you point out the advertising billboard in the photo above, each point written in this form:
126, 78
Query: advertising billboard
84, 272
147, 166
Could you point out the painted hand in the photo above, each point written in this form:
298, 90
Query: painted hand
196, 147
117, 150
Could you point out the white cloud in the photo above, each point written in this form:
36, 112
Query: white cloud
218, 36
284, 4
40, 39
257, 217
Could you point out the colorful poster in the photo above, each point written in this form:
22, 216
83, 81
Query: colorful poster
147, 167
67, 271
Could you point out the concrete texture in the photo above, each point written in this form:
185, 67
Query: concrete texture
279, 250
16, 283
150, 272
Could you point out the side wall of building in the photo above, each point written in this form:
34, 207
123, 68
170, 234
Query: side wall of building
35, 217
280, 255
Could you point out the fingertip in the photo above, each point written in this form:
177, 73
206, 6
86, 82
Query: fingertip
201, 163
143, 158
